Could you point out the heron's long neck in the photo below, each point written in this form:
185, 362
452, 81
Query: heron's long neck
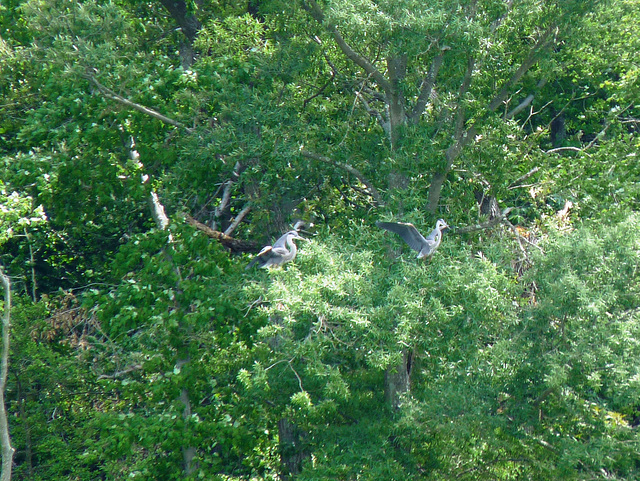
292, 246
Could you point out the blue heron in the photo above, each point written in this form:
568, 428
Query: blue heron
277, 254
424, 246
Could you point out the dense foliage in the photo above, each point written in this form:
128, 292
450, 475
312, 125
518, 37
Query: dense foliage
142, 348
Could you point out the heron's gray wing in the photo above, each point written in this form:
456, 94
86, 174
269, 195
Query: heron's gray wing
264, 250
262, 257
408, 232
279, 251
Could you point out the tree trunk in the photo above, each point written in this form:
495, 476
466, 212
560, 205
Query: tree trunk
7, 449
188, 452
398, 380
189, 25
397, 68
292, 451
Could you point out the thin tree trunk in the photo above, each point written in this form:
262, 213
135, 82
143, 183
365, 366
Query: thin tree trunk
7, 449
188, 452
398, 380
189, 25
292, 451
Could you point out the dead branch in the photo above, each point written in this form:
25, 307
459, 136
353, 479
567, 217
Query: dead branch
234, 245
516, 183
226, 194
528, 99
352, 170
241, 215
158, 212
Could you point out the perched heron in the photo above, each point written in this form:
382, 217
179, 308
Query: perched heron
278, 254
424, 246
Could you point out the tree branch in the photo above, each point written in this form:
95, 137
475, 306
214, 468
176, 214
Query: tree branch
484, 225
233, 244
110, 94
189, 23
157, 211
323, 88
427, 86
528, 99
352, 170
529, 62
226, 194
117, 374
241, 215
462, 137
386, 125
316, 12
516, 183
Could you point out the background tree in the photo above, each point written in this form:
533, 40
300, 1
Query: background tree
150, 132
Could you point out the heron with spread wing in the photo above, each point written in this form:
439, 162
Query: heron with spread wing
425, 246
283, 250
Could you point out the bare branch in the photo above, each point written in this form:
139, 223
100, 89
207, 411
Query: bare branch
241, 215
528, 99
110, 94
226, 194
352, 170
515, 183
158, 212
233, 244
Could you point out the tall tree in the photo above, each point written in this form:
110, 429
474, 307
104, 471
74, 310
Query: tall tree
446, 67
